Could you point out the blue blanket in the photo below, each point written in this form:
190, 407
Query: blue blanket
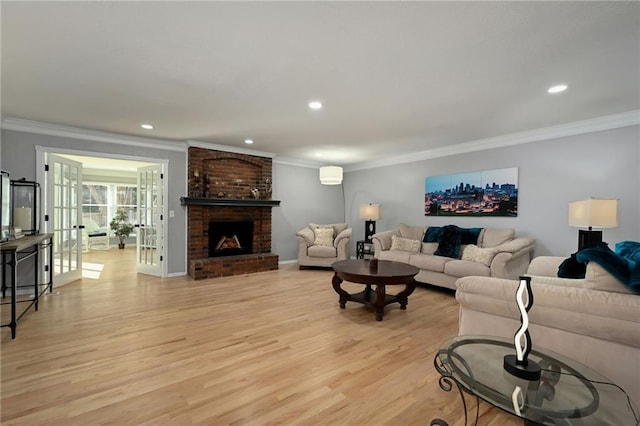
623, 264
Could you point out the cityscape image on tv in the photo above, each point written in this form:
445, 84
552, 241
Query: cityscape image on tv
485, 193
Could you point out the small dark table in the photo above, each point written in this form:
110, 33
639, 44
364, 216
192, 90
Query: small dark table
567, 393
380, 273
364, 248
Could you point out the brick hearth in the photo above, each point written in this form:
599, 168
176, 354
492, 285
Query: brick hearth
228, 176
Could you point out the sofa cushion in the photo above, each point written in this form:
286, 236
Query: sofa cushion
411, 232
429, 248
625, 270
474, 253
323, 237
396, 255
405, 244
322, 251
449, 242
492, 237
463, 268
429, 262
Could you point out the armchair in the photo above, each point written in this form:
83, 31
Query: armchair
321, 245
94, 237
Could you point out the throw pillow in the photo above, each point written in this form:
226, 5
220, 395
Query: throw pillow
477, 254
404, 244
432, 235
324, 237
449, 242
571, 268
469, 235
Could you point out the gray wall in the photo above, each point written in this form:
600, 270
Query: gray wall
19, 159
303, 200
551, 173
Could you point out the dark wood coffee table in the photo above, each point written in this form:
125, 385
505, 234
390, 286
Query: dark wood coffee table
380, 273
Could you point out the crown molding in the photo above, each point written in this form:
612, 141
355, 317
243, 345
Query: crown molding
30, 126
288, 161
625, 119
226, 148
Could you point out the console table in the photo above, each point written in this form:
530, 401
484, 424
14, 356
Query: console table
13, 253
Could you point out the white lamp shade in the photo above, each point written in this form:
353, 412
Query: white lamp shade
331, 175
594, 212
371, 211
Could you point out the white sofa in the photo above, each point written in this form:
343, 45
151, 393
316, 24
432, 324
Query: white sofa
508, 256
595, 320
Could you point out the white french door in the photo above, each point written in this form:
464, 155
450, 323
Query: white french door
63, 192
150, 235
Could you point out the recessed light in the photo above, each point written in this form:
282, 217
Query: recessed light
146, 126
248, 141
557, 88
315, 105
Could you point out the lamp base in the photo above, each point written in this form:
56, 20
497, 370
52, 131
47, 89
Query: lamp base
369, 230
528, 370
588, 238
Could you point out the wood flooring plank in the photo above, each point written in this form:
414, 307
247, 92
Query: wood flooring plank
272, 348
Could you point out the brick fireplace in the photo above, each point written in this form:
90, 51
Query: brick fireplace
228, 188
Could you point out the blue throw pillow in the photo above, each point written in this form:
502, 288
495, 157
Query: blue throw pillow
449, 242
432, 235
469, 235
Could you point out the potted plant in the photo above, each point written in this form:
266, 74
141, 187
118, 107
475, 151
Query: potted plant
121, 226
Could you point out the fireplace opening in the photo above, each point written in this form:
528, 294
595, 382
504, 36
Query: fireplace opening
230, 238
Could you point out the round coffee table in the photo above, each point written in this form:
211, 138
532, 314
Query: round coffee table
380, 273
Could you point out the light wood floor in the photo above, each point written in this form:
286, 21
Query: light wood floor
261, 349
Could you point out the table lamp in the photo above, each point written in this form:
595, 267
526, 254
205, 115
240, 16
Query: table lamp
592, 213
370, 213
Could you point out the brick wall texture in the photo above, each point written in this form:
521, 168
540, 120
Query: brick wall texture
217, 174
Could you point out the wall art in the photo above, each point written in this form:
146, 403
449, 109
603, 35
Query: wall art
485, 193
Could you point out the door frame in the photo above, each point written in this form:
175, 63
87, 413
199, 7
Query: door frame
41, 151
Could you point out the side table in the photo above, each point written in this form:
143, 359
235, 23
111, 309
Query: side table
567, 393
363, 248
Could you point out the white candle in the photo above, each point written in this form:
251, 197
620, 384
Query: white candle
22, 218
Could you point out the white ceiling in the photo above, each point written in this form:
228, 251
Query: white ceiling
395, 77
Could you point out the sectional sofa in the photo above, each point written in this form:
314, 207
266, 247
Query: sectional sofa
488, 252
595, 320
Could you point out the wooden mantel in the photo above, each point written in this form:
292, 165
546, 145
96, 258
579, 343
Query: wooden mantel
185, 201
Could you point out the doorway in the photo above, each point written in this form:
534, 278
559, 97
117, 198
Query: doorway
83, 192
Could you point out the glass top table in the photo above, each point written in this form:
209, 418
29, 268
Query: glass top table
567, 393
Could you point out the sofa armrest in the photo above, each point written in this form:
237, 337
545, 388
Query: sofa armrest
513, 258
307, 235
382, 240
344, 235
545, 266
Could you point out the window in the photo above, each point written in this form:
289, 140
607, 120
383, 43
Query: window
95, 204
100, 201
